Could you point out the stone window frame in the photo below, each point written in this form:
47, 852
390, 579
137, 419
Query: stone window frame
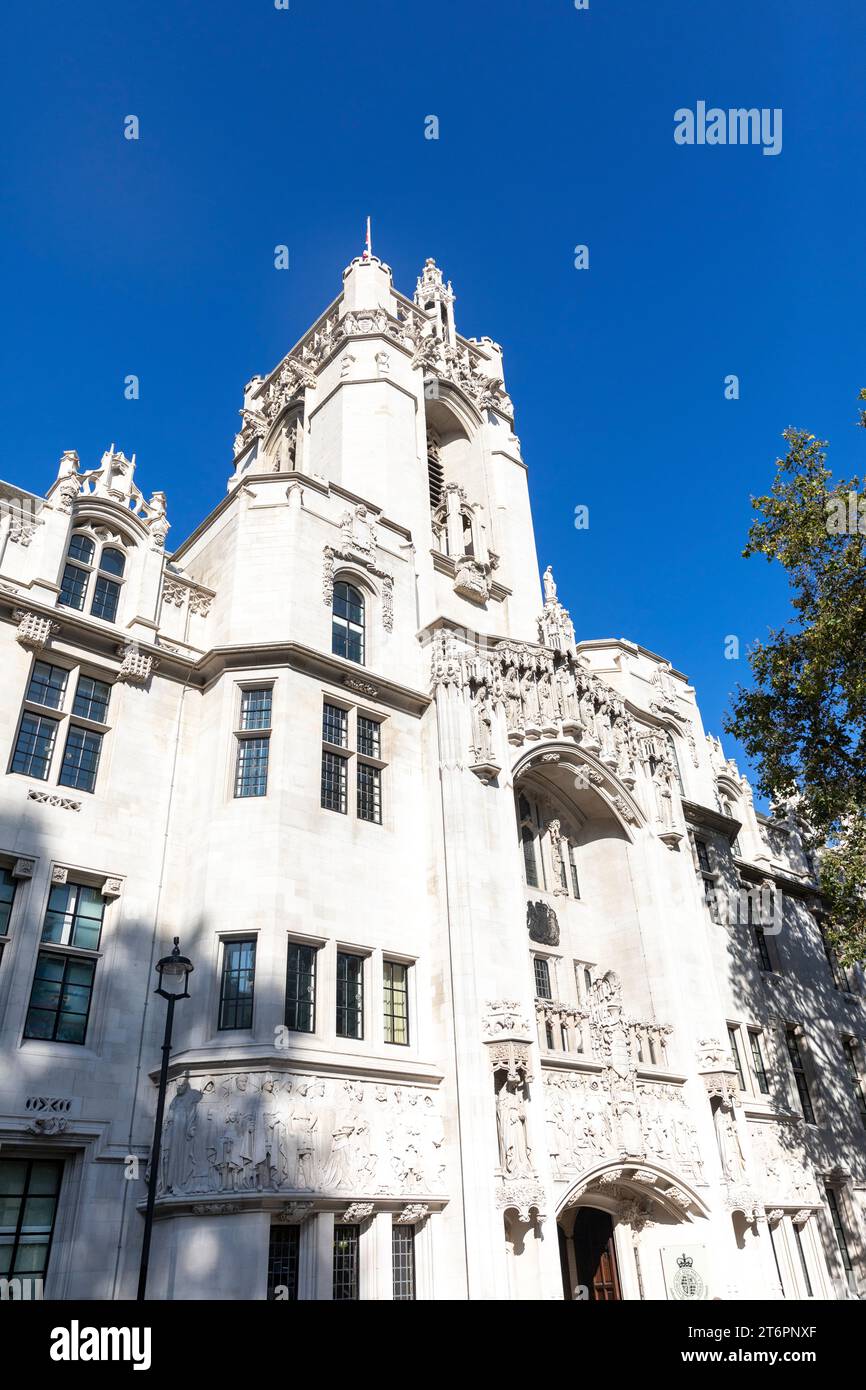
805, 1070
65, 719
741, 1035
242, 733
90, 529
353, 758
112, 886
220, 940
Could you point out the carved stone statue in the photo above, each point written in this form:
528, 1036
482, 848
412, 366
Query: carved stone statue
728, 1139
515, 1156
511, 697
529, 692
549, 585
482, 719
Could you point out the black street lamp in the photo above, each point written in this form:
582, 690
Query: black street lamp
174, 972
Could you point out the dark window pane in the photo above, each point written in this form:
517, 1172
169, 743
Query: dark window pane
34, 746
347, 627
251, 777
800, 1075
345, 1262
703, 856
529, 864
396, 998
283, 1263
575, 885
27, 1221
256, 709
105, 598
369, 793
7, 898
238, 979
47, 685
542, 978
112, 561
335, 726
301, 989
60, 999
73, 587
80, 759
839, 1232
333, 782
734, 1041
369, 741
74, 917
403, 1262
758, 1063
350, 995
91, 699
81, 548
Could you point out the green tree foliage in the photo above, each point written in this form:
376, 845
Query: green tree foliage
804, 722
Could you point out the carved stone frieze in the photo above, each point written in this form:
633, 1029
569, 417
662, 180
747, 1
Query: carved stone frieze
257, 1131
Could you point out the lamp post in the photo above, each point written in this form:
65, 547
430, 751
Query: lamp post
174, 972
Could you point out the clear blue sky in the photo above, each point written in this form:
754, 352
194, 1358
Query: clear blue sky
261, 126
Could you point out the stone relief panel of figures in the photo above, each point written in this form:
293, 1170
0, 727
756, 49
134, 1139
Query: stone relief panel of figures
260, 1131
537, 690
783, 1179
609, 1115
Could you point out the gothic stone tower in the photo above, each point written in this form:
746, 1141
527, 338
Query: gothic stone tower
502, 987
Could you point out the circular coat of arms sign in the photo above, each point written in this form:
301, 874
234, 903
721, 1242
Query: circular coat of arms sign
687, 1283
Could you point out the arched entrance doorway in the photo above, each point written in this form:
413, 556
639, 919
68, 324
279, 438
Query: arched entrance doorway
614, 1225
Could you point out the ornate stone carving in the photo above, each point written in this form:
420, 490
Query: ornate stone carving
413, 1214
65, 803
136, 666
541, 923
47, 1128
505, 1016
249, 1132
359, 539
34, 629
357, 1212
522, 1195
200, 601
174, 593
23, 868
59, 874
216, 1208
294, 1213
361, 687
112, 887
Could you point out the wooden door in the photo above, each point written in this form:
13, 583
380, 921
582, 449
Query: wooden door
595, 1255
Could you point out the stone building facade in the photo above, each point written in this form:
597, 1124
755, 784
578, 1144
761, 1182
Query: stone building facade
503, 989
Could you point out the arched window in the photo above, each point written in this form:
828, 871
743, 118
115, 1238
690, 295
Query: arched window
347, 626
548, 845
92, 574
528, 818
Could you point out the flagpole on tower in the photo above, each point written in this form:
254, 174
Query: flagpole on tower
368, 249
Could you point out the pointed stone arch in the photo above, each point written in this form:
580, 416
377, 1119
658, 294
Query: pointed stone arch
587, 773
617, 1184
